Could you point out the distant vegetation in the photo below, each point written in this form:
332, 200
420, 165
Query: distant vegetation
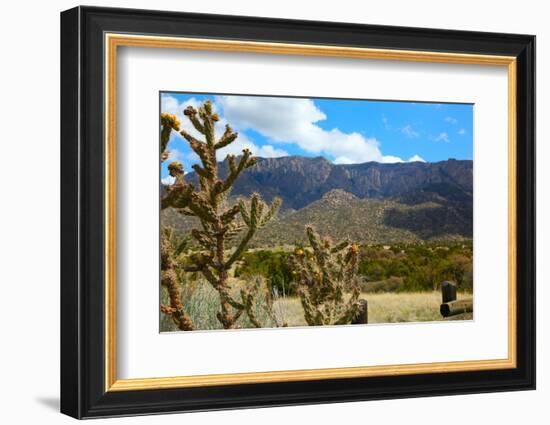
273, 265
383, 268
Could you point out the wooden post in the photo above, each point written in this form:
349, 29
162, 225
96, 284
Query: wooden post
448, 292
362, 317
457, 307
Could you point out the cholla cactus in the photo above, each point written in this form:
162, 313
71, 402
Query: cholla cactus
323, 277
260, 293
168, 123
168, 253
219, 223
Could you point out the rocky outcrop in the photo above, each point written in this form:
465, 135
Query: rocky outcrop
300, 181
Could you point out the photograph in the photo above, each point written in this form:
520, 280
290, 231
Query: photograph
307, 211
286, 209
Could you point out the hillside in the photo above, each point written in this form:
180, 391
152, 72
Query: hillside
299, 180
371, 202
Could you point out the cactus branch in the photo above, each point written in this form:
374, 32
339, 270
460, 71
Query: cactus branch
228, 137
254, 219
170, 281
219, 223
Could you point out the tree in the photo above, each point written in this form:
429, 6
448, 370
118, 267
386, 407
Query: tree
219, 222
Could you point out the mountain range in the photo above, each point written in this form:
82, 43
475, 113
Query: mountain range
370, 202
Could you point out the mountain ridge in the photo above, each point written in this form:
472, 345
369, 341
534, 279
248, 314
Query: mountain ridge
372, 201
279, 176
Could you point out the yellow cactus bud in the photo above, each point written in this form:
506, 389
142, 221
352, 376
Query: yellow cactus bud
170, 120
175, 168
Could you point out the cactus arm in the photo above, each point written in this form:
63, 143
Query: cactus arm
208, 120
244, 213
169, 280
202, 150
246, 161
275, 205
254, 219
164, 139
227, 138
168, 123
191, 113
229, 215
248, 304
240, 248
201, 172
339, 247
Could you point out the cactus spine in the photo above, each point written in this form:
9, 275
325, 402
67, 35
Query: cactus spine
219, 222
323, 276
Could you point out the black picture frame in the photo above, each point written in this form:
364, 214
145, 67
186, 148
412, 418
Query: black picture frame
83, 392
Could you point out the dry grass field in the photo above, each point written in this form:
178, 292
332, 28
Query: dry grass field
202, 304
383, 308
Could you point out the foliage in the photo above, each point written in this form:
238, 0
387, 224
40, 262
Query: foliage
219, 223
392, 284
395, 268
273, 265
421, 266
323, 277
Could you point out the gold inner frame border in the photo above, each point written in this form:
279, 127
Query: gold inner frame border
112, 41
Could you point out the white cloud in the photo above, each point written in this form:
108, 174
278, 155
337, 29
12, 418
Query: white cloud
416, 158
409, 131
442, 137
168, 180
268, 151
462, 132
451, 120
285, 120
236, 148
171, 105
174, 155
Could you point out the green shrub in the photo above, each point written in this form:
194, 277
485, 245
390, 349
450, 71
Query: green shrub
421, 266
392, 284
272, 265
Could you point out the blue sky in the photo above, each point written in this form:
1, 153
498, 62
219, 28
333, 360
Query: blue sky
343, 131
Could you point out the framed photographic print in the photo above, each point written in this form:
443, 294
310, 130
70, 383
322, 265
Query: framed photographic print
261, 212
